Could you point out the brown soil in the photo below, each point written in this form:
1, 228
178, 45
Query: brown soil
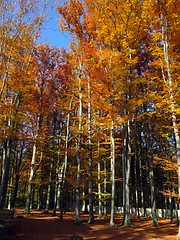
40, 226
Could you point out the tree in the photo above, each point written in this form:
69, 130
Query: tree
18, 38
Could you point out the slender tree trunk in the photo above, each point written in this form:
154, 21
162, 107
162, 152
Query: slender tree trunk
59, 175
56, 196
32, 171
31, 177
84, 205
65, 162
142, 199
166, 204
77, 210
99, 176
78, 217
105, 189
40, 193
91, 214
9, 197
138, 169
60, 179
136, 188
5, 171
49, 188
151, 177
32, 196
176, 210
17, 176
112, 175
15, 189
99, 189
171, 209
51, 168
126, 175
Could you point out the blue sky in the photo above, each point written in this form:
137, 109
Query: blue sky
51, 33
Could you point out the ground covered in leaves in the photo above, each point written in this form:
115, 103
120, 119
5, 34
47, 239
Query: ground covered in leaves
40, 226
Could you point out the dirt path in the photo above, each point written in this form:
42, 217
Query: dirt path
39, 226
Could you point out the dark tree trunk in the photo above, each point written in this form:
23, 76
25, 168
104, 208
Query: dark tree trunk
5, 171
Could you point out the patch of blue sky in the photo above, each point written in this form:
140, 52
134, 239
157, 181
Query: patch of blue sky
51, 33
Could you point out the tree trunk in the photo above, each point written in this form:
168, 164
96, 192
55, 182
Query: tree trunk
136, 188
32, 196
77, 210
60, 179
105, 189
99, 176
91, 214
112, 175
9, 197
126, 174
33, 170
49, 188
56, 197
31, 177
143, 204
99, 190
151, 177
65, 162
17, 170
40, 193
5, 171
78, 217
58, 175
51, 167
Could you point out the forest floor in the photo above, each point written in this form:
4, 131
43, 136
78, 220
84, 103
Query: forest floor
40, 226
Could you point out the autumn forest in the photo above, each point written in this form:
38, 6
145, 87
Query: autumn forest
97, 125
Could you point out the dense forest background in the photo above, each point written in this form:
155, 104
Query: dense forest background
97, 125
